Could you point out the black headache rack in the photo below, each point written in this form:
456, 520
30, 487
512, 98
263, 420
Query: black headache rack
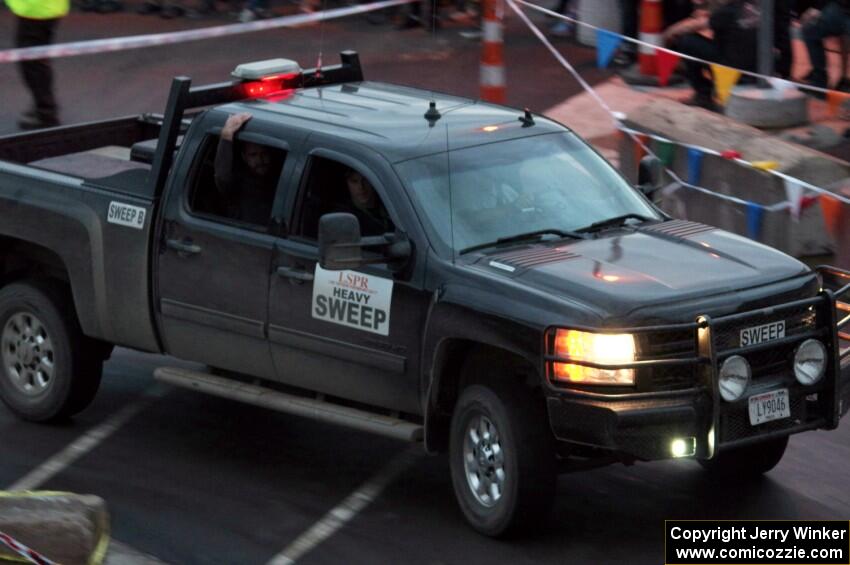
183, 96
825, 317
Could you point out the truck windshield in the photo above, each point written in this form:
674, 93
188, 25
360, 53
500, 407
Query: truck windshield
552, 182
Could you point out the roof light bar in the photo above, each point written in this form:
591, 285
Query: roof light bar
265, 69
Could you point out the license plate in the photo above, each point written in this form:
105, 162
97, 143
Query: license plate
769, 406
762, 334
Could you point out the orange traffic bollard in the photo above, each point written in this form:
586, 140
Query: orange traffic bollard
492, 57
651, 28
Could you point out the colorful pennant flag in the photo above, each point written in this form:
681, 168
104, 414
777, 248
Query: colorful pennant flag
641, 141
725, 79
765, 165
666, 151
794, 194
694, 165
755, 215
607, 43
730, 154
835, 99
666, 62
832, 209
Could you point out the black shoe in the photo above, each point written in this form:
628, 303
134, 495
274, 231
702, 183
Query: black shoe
703, 101
33, 120
843, 85
624, 59
815, 81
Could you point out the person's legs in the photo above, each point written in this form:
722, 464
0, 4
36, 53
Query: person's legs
38, 75
698, 46
782, 37
831, 23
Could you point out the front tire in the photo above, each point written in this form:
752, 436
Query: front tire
747, 462
47, 372
502, 458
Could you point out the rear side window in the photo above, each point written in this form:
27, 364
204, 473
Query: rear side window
236, 181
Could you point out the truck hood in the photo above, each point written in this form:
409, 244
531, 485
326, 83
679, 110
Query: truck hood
627, 269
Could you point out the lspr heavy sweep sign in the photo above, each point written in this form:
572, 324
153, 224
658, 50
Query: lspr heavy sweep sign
353, 299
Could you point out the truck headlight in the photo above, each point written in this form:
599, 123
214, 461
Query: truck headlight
810, 362
734, 377
601, 349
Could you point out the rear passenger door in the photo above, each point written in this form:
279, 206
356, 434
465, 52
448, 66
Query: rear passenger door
214, 264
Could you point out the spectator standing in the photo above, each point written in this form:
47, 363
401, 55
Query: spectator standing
36, 22
733, 25
832, 20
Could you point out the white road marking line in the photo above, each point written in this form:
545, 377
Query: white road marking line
85, 443
347, 509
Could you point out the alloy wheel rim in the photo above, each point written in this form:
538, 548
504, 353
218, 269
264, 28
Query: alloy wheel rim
484, 461
27, 354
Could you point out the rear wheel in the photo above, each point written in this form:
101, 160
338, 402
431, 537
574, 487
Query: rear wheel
747, 462
502, 458
46, 369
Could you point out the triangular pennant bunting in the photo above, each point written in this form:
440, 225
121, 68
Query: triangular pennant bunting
641, 144
731, 154
694, 166
794, 194
607, 43
832, 209
666, 151
666, 62
755, 214
765, 165
725, 79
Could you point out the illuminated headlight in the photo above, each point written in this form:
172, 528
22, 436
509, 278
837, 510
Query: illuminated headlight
734, 378
810, 362
602, 349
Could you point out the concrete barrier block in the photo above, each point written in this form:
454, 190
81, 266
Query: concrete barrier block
701, 128
66, 528
768, 108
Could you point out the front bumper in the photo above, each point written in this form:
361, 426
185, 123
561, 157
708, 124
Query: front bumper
643, 425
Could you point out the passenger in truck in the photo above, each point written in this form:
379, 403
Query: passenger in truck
365, 204
247, 181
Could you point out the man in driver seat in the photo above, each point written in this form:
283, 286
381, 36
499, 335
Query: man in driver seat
365, 205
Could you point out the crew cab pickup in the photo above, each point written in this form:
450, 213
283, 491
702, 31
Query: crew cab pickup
431, 268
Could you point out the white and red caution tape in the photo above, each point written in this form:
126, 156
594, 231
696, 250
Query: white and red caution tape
30, 555
94, 46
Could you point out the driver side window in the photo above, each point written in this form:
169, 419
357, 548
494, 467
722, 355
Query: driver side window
332, 187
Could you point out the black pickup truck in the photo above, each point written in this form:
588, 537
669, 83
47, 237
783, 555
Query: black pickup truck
428, 267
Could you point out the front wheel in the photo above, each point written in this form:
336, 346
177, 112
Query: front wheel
747, 462
502, 458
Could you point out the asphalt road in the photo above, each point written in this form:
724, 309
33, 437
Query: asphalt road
196, 479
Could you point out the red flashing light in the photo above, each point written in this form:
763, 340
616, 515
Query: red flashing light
271, 85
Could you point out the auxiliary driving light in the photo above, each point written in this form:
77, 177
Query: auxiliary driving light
734, 378
683, 447
810, 362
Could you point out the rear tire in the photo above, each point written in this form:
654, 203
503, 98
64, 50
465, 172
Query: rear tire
502, 458
747, 462
48, 369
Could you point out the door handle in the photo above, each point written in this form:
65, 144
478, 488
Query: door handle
295, 274
183, 247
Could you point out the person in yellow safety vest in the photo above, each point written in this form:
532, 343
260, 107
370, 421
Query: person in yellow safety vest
36, 22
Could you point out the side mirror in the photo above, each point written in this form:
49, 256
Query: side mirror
339, 242
649, 175
342, 247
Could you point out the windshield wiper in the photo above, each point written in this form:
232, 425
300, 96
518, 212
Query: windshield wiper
613, 222
537, 234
